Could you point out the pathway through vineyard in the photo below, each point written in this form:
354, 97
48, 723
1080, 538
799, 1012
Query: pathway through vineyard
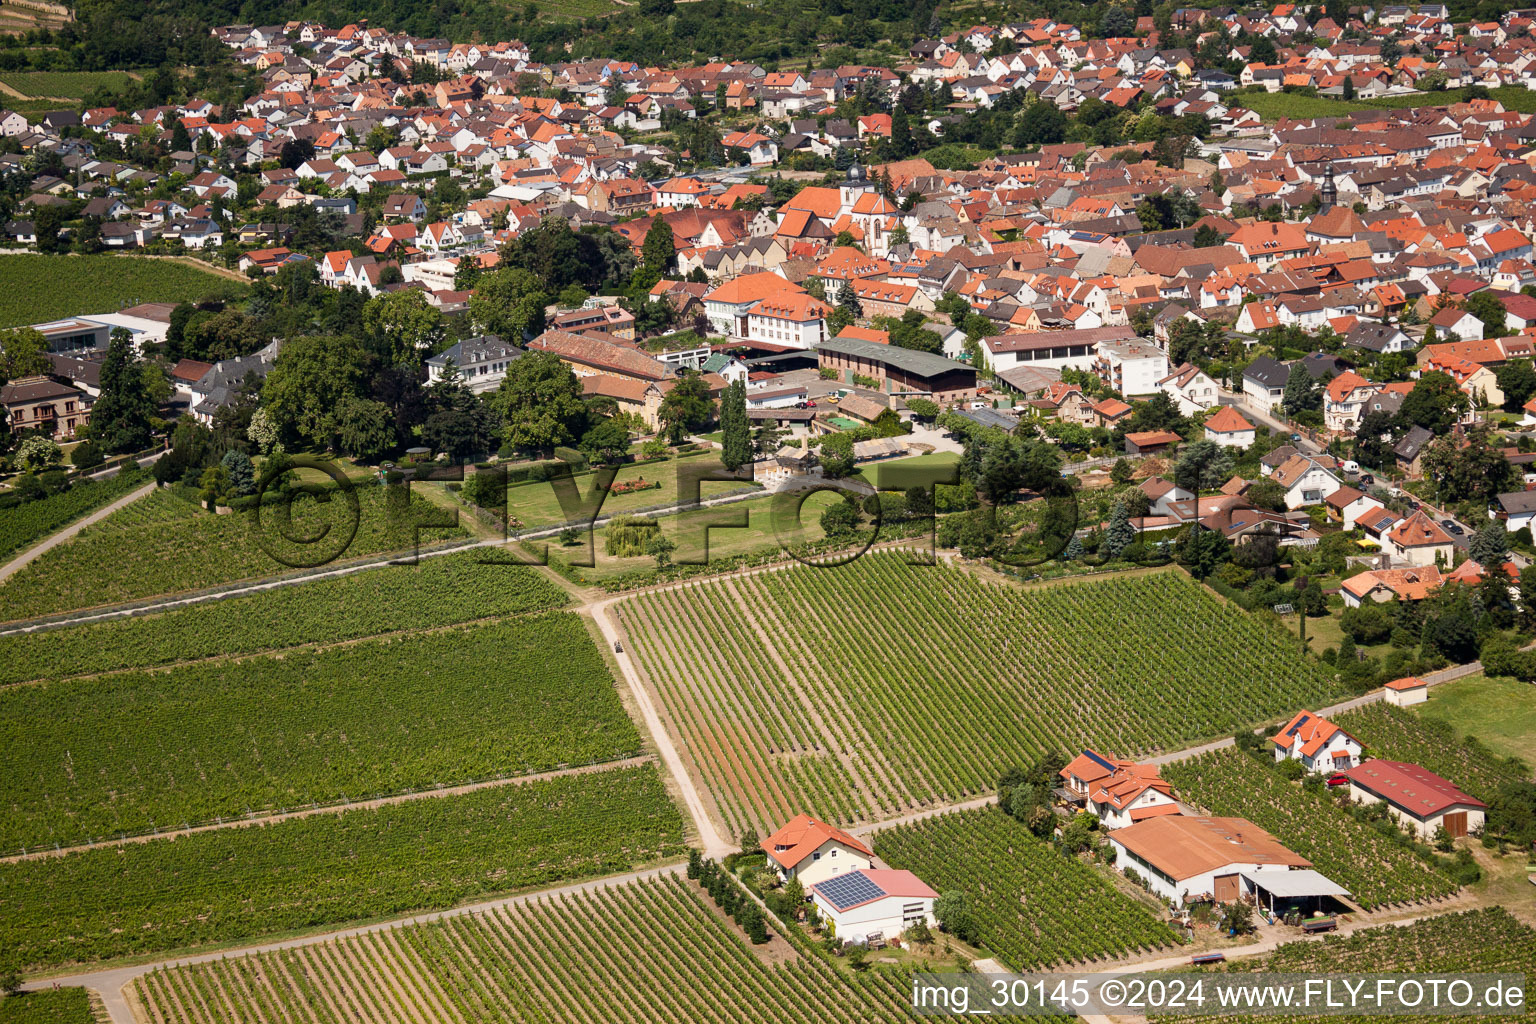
112, 983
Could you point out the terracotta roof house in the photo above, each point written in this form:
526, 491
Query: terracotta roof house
1187, 859
811, 850
1317, 743
1418, 539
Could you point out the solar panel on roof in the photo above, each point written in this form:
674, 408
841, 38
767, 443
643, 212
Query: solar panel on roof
849, 890
1096, 759
1303, 720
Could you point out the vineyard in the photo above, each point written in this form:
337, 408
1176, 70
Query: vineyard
25, 525
67, 85
649, 952
41, 288
858, 692
168, 546
1377, 870
438, 591
65, 1006
86, 759
1400, 735
241, 883
1030, 900
1486, 941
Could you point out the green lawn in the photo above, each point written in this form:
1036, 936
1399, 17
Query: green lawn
875, 473
1273, 106
535, 504
1500, 712
40, 288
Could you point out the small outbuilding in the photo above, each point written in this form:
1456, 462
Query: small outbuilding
1406, 691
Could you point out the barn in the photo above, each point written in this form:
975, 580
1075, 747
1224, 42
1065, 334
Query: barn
1417, 797
870, 905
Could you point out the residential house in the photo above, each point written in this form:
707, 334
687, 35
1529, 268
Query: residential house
1317, 743
1120, 792
874, 905
1419, 540
1185, 859
42, 403
813, 851
1228, 428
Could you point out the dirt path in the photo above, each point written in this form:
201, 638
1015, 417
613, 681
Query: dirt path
356, 805
709, 837
27, 557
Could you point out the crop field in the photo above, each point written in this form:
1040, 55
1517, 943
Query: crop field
439, 591
1030, 900
25, 525
1487, 941
858, 692
644, 952
1376, 870
1400, 735
64, 85
168, 546
65, 1006
242, 883
39, 288
87, 759
1273, 106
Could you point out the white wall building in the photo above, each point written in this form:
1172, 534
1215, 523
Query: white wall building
1317, 743
1186, 859
1417, 797
869, 904
813, 851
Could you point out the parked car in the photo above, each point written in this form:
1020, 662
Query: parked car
1338, 779
1295, 437
1452, 526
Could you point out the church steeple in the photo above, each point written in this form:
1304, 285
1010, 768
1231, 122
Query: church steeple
1329, 192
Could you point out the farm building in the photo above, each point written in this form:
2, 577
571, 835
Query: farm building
868, 905
812, 851
1192, 860
1406, 691
1120, 792
1416, 797
1150, 442
1317, 743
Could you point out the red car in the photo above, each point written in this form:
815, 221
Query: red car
1338, 779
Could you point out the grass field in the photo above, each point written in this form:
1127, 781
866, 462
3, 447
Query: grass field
1483, 941
1273, 106
164, 545
879, 474
242, 883
536, 503
653, 951
1029, 899
40, 288
64, 85
1377, 870
66, 1006
1499, 712
858, 692
88, 759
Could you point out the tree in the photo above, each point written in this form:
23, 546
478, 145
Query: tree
363, 428
1236, 918
686, 407
458, 422
954, 914
120, 416
1203, 466
313, 374
1263, 51
1118, 533
1463, 470
263, 433
87, 455
660, 547
10, 983
1267, 494
1436, 402
652, 10
1300, 391
1041, 124
1121, 472
23, 353
1487, 307
510, 304
1207, 236
213, 485
404, 326
240, 472
924, 410
540, 403
1518, 382
1202, 550
1349, 87
181, 142
736, 444
606, 440
1489, 546
901, 133
658, 251
842, 520
1116, 23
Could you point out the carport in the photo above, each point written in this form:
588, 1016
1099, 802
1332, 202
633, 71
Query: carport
1302, 890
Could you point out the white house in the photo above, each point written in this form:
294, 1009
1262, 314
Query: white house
1416, 797
1317, 743
1162, 494
1191, 389
1120, 792
1307, 479
1188, 859
1229, 428
1516, 508
867, 904
1348, 504
1407, 691
1418, 539
813, 851
791, 319
728, 305
1344, 400
1131, 367
483, 360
